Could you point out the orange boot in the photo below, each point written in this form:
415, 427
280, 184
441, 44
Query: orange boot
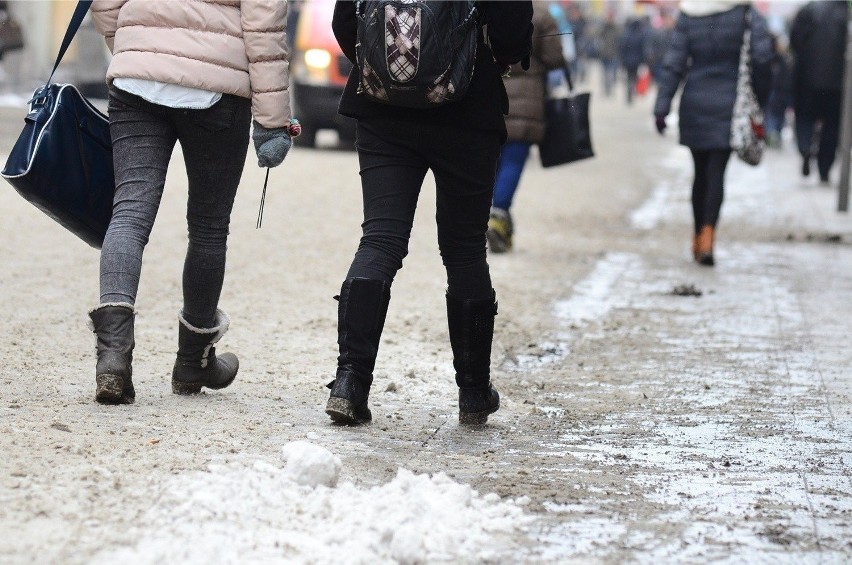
704, 247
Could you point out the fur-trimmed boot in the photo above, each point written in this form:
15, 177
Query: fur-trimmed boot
360, 320
113, 326
471, 324
197, 364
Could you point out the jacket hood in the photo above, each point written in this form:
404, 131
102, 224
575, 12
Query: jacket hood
700, 8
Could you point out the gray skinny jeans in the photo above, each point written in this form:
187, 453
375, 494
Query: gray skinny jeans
214, 142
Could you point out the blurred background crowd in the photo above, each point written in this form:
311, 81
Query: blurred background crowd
619, 43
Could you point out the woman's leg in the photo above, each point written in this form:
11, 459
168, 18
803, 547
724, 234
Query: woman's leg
830, 136
463, 198
142, 141
214, 142
142, 145
463, 204
510, 165
707, 201
699, 187
717, 162
391, 176
805, 124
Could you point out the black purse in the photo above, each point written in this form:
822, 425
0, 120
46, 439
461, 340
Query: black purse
567, 134
62, 161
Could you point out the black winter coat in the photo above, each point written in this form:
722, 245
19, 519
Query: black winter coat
704, 55
632, 46
818, 38
510, 29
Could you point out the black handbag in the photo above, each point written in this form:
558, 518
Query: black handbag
62, 161
567, 134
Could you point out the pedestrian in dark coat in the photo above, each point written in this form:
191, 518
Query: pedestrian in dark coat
459, 142
525, 124
632, 48
607, 43
818, 39
704, 56
780, 93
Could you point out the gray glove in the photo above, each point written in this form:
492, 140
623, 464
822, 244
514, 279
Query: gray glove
270, 144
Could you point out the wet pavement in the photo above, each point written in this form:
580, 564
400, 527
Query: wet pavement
653, 410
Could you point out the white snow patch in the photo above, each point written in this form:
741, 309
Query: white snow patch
593, 297
668, 194
310, 464
241, 512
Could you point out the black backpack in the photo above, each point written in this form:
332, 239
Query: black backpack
416, 53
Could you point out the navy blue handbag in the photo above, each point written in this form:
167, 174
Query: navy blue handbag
62, 161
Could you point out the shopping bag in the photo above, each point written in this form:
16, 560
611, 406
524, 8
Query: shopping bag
643, 80
62, 160
567, 135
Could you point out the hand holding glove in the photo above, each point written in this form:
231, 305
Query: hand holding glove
272, 144
660, 122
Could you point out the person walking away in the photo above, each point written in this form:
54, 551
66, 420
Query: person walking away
704, 56
608, 38
780, 92
11, 39
818, 40
193, 73
460, 142
661, 38
631, 47
525, 123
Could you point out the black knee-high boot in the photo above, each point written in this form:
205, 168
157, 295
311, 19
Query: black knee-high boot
471, 324
360, 320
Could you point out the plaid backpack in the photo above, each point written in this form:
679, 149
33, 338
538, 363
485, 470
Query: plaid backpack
416, 53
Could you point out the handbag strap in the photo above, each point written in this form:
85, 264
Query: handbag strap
567, 70
745, 52
79, 14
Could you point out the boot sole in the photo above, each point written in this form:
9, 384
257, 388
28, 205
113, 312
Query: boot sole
186, 389
476, 418
110, 390
343, 412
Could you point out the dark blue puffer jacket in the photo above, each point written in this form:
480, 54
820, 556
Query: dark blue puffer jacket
704, 55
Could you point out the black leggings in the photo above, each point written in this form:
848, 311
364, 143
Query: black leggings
708, 189
394, 157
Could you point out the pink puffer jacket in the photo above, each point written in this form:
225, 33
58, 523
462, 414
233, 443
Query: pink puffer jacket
225, 46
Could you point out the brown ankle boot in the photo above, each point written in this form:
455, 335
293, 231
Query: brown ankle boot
695, 247
704, 247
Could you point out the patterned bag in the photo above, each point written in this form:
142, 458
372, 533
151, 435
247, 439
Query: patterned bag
416, 54
747, 134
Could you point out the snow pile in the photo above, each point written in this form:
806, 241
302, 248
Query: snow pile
311, 465
245, 513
